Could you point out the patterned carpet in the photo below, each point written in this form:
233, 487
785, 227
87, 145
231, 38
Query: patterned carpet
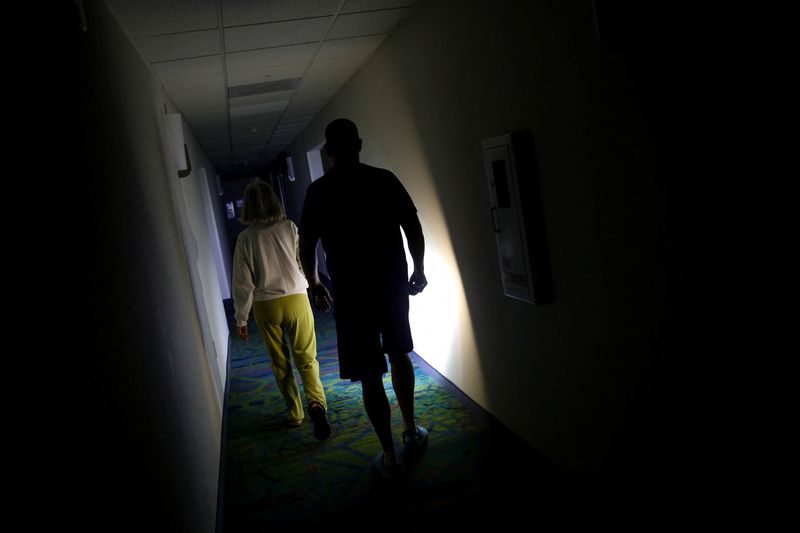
281, 479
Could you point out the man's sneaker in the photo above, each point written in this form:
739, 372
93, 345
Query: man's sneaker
389, 472
322, 430
415, 440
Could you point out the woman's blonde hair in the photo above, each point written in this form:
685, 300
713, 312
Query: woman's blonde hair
261, 204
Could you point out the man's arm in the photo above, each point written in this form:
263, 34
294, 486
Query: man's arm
320, 297
416, 246
307, 245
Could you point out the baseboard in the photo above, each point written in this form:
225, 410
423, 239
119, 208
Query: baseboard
494, 425
222, 447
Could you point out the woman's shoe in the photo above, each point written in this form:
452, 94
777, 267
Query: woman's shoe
294, 423
322, 430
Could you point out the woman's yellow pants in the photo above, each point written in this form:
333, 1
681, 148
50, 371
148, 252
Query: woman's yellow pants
287, 325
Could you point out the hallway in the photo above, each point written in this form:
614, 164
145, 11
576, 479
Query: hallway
148, 123
474, 470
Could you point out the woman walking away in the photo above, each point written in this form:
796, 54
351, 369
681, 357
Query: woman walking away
267, 278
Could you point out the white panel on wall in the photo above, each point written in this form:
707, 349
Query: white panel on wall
175, 129
514, 217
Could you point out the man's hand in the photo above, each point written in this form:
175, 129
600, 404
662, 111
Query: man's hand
242, 332
416, 283
320, 297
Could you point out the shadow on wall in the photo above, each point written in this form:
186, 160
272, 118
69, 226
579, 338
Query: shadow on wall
586, 380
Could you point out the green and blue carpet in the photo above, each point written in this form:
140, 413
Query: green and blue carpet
282, 479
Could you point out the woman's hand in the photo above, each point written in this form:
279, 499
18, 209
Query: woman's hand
242, 332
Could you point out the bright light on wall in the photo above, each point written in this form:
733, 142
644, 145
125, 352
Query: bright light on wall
440, 321
434, 312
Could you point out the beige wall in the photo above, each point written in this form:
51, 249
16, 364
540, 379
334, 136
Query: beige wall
153, 336
577, 378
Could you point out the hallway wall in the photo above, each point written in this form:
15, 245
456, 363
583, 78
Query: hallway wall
593, 381
144, 392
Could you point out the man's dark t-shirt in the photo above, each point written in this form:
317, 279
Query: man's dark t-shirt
356, 212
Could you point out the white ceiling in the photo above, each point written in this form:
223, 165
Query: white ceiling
249, 75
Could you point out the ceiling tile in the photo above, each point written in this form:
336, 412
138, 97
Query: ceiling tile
210, 133
285, 137
201, 93
281, 72
247, 162
276, 34
207, 117
357, 46
269, 43
297, 127
268, 57
256, 118
179, 45
243, 12
217, 149
247, 152
264, 87
242, 134
325, 80
306, 104
368, 5
158, 17
280, 142
285, 127
263, 127
368, 23
297, 120
186, 68
335, 66
261, 99
323, 91
269, 107
254, 143
209, 127
217, 145
219, 158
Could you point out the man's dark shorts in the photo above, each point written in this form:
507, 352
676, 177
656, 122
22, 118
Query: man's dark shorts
369, 324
